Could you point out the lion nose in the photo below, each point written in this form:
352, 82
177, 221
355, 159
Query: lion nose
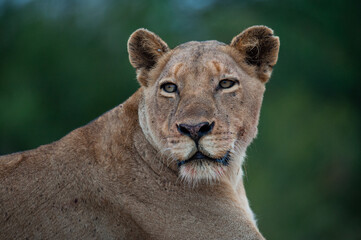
195, 131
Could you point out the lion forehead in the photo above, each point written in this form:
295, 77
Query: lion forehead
209, 43
196, 57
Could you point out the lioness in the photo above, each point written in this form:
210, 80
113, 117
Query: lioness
166, 164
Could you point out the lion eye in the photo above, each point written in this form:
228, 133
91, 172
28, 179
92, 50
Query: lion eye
226, 83
169, 87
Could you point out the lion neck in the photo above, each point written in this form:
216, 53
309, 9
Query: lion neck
148, 156
145, 155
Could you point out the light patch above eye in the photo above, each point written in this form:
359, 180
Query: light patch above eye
169, 87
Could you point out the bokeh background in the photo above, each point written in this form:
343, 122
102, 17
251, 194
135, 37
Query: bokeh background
65, 62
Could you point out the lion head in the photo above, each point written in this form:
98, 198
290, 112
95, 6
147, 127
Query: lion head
201, 100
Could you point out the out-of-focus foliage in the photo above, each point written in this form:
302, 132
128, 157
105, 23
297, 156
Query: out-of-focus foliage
63, 63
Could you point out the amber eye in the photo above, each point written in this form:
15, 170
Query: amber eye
226, 83
169, 87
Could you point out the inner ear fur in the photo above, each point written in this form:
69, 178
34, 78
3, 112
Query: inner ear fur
259, 48
145, 48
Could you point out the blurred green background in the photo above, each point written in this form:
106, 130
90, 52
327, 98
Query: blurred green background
63, 63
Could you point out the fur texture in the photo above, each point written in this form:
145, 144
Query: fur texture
118, 176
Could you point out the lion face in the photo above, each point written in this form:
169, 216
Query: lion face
200, 105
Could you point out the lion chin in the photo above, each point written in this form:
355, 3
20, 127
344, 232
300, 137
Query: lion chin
202, 168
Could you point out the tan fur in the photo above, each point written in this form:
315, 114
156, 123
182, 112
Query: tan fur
117, 177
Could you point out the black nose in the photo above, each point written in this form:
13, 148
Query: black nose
195, 131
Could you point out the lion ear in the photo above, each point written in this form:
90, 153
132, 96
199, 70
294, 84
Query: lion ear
260, 48
145, 48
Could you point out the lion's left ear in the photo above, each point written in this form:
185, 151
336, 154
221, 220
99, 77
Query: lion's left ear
260, 48
145, 48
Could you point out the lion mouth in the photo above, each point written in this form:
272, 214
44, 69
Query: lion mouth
200, 156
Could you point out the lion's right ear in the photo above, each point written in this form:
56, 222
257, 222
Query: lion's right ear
259, 48
145, 48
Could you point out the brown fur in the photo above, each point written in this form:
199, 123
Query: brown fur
117, 177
